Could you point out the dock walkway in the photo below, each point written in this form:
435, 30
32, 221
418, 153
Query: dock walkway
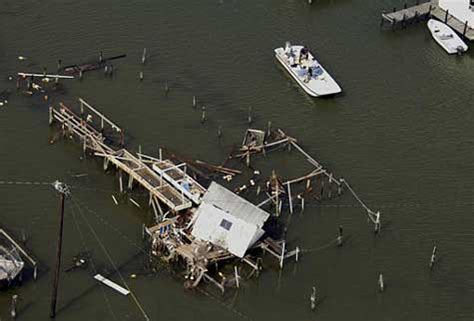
125, 161
424, 11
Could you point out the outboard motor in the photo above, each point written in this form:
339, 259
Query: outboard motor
460, 50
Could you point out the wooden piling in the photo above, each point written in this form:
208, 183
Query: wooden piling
465, 28
51, 118
290, 199
433, 258
135, 203
13, 311
446, 16
237, 277
339, 237
120, 182
203, 114
377, 223
312, 299
282, 257
144, 56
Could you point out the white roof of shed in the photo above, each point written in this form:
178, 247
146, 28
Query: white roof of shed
237, 206
225, 230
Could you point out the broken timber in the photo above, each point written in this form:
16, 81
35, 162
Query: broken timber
125, 161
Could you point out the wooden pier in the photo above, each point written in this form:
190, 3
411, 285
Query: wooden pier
136, 169
425, 11
185, 235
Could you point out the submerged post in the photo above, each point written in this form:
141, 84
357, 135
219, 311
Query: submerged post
433, 258
63, 190
282, 257
312, 298
203, 115
381, 283
377, 222
339, 237
13, 311
144, 56
237, 277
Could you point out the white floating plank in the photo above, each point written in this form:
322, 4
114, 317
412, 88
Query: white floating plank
111, 284
27, 74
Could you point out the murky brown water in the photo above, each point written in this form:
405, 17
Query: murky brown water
401, 134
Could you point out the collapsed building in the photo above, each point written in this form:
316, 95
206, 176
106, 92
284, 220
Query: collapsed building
204, 231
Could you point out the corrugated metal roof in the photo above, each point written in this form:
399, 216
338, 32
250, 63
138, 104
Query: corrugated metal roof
237, 206
225, 230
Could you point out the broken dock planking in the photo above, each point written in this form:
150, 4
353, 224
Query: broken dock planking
90, 66
111, 284
53, 76
175, 238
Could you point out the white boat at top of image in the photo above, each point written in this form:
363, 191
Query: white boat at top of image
306, 70
446, 37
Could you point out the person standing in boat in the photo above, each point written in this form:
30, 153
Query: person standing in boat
304, 53
292, 61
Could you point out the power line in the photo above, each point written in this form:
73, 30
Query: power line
134, 298
94, 268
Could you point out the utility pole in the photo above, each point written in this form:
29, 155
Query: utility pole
63, 191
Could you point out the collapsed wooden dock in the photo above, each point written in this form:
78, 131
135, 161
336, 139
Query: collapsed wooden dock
425, 11
93, 141
198, 229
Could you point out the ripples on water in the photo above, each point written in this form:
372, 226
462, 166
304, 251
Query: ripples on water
400, 133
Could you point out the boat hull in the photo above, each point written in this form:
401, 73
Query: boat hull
446, 37
320, 85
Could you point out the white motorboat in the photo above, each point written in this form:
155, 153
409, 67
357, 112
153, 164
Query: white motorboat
446, 37
306, 70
